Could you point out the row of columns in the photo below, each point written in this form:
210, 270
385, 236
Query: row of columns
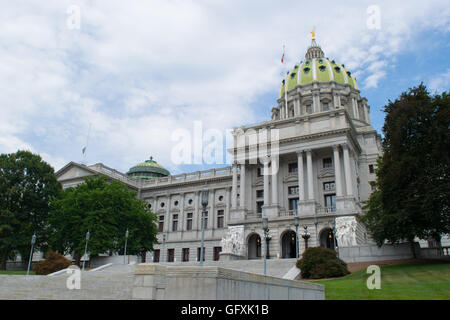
301, 178
316, 107
242, 184
337, 172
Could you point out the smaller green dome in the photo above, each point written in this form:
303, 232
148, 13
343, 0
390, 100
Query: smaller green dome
147, 170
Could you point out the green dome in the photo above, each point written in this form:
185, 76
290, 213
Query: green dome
147, 170
317, 68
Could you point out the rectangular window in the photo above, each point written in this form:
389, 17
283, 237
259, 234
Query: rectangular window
259, 172
189, 221
161, 224
220, 215
293, 167
156, 255
325, 107
293, 203
327, 163
170, 255
175, 222
217, 251
329, 186
260, 193
309, 109
198, 254
259, 205
185, 254
330, 202
371, 169
293, 190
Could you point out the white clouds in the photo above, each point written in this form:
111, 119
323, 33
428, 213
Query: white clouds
138, 70
440, 83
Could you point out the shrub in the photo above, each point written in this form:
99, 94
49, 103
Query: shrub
319, 263
53, 262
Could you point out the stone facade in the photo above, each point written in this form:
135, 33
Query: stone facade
322, 170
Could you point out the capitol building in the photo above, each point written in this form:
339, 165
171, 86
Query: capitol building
319, 177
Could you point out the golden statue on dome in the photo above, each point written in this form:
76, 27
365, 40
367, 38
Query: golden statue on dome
313, 34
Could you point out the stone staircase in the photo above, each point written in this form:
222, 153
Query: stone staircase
114, 282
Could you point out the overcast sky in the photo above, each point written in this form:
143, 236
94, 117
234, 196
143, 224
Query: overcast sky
139, 70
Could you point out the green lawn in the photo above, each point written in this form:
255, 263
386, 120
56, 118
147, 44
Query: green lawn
398, 282
15, 272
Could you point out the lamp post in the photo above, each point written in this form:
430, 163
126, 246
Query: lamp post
316, 222
205, 194
296, 223
333, 230
306, 236
265, 226
85, 248
33, 241
125, 252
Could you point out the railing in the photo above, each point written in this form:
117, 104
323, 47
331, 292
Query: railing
325, 210
198, 175
445, 251
289, 213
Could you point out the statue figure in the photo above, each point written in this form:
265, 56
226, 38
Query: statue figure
234, 240
346, 231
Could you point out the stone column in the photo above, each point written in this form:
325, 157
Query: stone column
211, 213
227, 208
234, 188
355, 108
335, 101
366, 113
316, 103
266, 182
348, 173
196, 206
168, 219
309, 168
337, 171
274, 182
242, 188
301, 180
182, 218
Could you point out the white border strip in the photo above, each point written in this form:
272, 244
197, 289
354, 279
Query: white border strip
58, 272
101, 267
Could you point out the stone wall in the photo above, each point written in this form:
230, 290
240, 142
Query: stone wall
374, 253
157, 282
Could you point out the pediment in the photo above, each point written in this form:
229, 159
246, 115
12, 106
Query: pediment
259, 182
73, 172
325, 173
291, 178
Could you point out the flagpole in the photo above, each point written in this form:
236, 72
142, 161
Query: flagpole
285, 86
87, 143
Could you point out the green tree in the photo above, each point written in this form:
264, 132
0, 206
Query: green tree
105, 209
413, 182
27, 186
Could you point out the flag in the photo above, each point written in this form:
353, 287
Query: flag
282, 58
84, 150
